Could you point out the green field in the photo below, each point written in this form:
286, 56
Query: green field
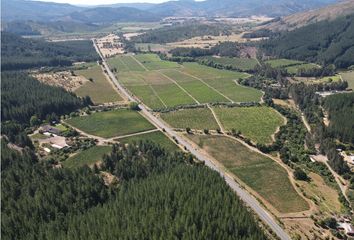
276, 63
99, 90
349, 77
294, 69
156, 137
242, 64
155, 47
153, 62
259, 172
167, 84
255, 123
111, 124
87, 157
125, 63
199, 118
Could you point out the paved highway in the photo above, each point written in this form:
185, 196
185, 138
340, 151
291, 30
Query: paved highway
243, 194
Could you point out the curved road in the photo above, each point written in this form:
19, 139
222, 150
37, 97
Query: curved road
243, 194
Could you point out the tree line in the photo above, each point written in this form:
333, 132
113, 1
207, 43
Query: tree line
20, 53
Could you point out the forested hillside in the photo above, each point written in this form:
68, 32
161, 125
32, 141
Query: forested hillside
23, 96
21, 53
180, 32
341, 115
160, 195
326, 42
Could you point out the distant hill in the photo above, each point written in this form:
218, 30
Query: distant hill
305, 18
46, 11
34, 10
325, 42
107, 14
236, 8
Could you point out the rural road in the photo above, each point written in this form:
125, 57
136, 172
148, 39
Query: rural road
243, 194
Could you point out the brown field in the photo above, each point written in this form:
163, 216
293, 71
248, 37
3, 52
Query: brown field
110, 45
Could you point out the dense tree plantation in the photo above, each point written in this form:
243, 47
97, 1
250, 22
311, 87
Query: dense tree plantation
341, 115
181, 32
34, 194
160, 195
223, 49
21, 53
23, 96
326, 42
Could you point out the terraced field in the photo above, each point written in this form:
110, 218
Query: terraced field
200, 118
262, 174
255, 123
242, 64
116, 123
99, 89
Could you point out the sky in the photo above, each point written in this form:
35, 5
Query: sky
99, 2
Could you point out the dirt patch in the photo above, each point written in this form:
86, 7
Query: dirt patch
64, 79
129, 36
108, 178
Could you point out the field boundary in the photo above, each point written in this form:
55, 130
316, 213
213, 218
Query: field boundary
216, 119
201, 80
184, 90
142, 65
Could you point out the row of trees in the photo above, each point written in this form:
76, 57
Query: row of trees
180, 32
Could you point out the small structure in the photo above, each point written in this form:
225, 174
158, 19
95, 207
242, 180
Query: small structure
348, 228
50, 129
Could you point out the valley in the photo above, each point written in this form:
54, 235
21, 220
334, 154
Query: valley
202, 125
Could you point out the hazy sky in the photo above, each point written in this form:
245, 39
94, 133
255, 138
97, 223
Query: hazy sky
96, 2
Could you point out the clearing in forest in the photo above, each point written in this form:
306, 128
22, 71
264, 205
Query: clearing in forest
87, 157
282, 62
98, 88
255, 123
260, 173
112, 123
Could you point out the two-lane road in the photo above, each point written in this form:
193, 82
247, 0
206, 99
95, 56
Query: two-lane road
243, 194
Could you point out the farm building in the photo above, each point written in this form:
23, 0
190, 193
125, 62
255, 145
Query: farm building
50, 129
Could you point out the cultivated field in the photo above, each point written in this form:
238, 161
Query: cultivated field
260, 173
87, 157
255, 123
199, 118
111, 124
349, 77
283, 62
156, 137
242, 64
160, 84
99, 89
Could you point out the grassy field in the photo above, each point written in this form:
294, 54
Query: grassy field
199, 118
153, 47
283, 62
294, 69
242, 64
167, 84
349, 77
156, 137
112, 123
153, 62
99, 90
87, 157
255, 123
125, 63
261, 173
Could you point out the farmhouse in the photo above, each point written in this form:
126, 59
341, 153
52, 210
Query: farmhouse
50, 129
